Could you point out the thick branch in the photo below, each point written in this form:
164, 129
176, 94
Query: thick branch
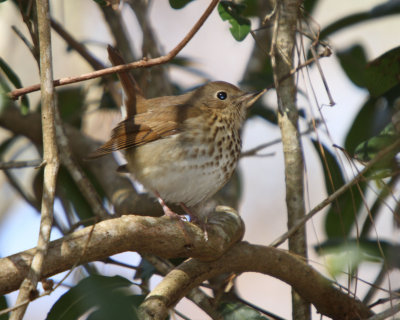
313, 287
160, 236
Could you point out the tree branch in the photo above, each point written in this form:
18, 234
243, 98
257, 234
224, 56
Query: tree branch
337, 193
313, 287
137, 64
50, 157
282, 59
160, 236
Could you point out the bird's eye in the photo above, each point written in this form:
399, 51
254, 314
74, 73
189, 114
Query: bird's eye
221, 95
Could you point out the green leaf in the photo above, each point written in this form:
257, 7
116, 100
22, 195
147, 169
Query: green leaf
344, 210
67, 186
14, 79
3, 305
178, 4
309, 5
383, 73
353, 61
104, 297
5, 144
70, 102
232, 12
371, 119
11, 75
369, 149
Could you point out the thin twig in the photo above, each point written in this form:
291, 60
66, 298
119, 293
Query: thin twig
133, 65
335, 195
50, 156
76, 172
19, 164
77, 46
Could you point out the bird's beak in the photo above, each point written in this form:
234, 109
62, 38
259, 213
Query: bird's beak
248, 99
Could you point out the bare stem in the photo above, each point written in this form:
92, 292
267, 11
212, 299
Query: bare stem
282, 58
50, 156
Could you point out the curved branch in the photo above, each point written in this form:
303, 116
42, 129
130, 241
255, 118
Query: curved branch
310, 285
160, 236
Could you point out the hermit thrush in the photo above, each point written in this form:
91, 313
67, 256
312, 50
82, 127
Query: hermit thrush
184, 148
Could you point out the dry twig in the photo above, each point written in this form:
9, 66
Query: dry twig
51, 160
137, 64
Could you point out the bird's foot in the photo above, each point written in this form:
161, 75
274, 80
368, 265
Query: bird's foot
194, 219
169, 213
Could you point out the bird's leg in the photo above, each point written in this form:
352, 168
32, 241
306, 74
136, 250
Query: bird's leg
167, 210
190, 213
194, 218
169, 213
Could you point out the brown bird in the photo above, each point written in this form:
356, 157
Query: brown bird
184, 148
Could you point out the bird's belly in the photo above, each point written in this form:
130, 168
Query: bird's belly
180, 174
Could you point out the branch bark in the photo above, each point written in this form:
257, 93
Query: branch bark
313, 287
137, 64
160, 236
50, 157
163, 237
282, 58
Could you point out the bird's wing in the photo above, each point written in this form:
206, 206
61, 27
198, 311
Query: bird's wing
143, 128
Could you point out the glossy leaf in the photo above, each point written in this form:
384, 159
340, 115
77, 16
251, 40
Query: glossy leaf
179, 4
368, 150
343, 211
232, 12
106, 297
353, 61
383, 73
